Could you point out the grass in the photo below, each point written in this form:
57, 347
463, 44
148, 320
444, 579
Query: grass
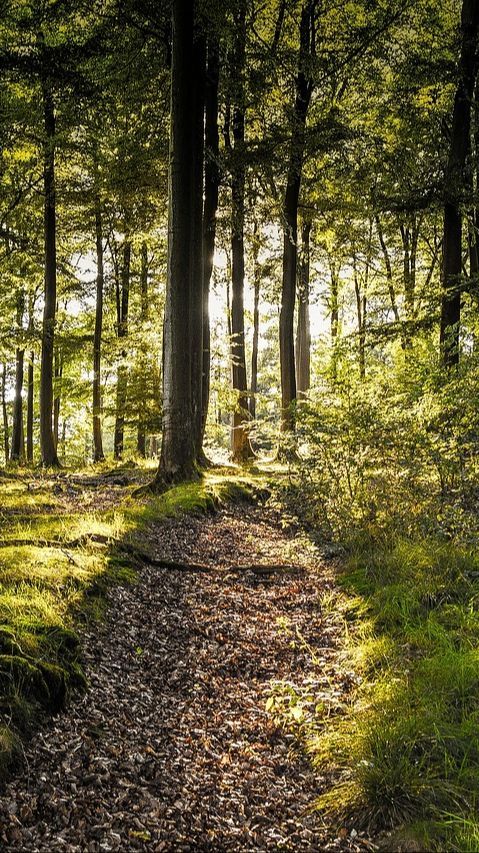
407, 751
47, 588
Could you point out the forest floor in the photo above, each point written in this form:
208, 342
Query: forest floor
173, 747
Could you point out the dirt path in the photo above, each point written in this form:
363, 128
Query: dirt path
171, 749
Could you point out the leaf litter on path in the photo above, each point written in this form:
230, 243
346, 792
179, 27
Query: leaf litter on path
171, 748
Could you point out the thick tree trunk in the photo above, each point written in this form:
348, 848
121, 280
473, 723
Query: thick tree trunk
6, 440
122, 375
456, 186
241, 448
47, 442
212, 183
141, 435
197, 284
178, 449
303, 329
98, 454
304, 87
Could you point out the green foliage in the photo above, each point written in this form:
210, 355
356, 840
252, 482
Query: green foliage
393, 456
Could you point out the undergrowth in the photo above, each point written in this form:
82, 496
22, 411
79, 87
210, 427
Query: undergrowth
404, 754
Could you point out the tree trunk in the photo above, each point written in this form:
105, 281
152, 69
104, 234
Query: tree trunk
212, 183
98, 454
178, 450
198, 59
456, 186
254, 352
30, 401
18, 448
303, 330
47, 442
30, 381
304, 88
361, 310
122, 331
241, 448
6, 442
57, 399
141, 436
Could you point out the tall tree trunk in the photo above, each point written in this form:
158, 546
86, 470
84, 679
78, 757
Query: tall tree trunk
30, 379
58, 361
178, 448
409, 236
122, 331
47, 442
98, 454
241, 448
304, 88
303, 329
197, 284
212, 183
141, 436
30, 402
254, 352
361, 312
456, 186
6, 441
18, 448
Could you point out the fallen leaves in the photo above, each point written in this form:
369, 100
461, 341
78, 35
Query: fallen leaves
172, 747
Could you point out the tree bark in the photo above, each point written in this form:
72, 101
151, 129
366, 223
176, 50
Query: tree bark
30, 383
303, 329
241, 448
304, 88
18, 447
198, 58
254, 352
47, 442
212, 184
98, 455
122, 331
58, 361
6, 441
30, 401
456, 186
141, 436
178, 450
361, 312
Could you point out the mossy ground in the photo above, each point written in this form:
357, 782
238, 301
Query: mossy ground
48, 585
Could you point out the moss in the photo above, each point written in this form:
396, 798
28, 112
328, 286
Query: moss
19, 675
9, 749
8, 642
56, 680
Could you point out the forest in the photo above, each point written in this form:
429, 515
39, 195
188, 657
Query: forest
239, 389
